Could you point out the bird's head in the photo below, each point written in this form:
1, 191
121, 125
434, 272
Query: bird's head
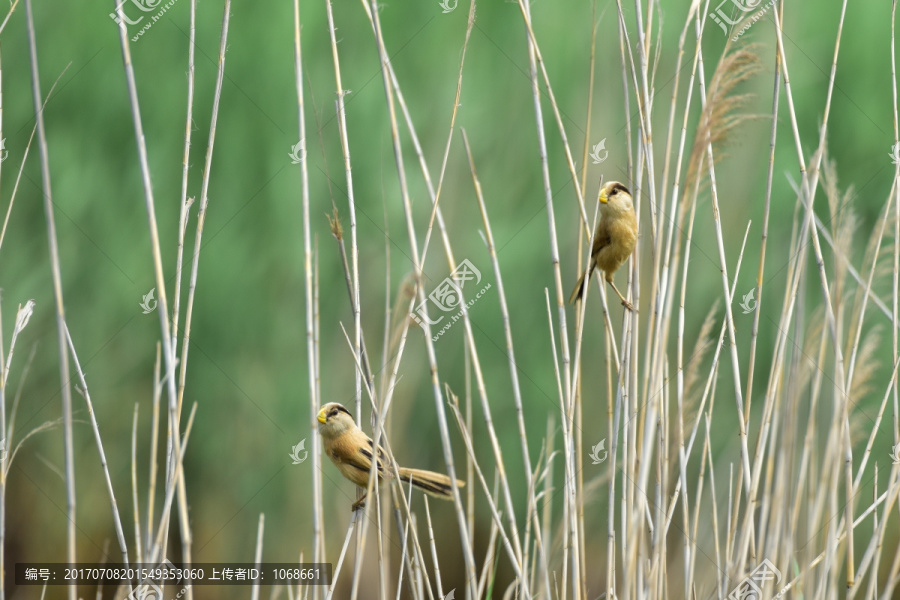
334, 419
615, 198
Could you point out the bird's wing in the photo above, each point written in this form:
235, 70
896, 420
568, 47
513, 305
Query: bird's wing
354, 449
601, 238
382, 458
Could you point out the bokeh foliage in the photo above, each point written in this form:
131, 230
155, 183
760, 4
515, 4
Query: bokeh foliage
247, 369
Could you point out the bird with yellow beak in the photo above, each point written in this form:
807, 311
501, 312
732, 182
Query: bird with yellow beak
352, 452
615, 238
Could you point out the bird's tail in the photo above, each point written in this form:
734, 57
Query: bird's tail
433, 484
579, 287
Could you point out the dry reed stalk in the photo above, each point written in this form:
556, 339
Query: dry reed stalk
55, 268
311, 312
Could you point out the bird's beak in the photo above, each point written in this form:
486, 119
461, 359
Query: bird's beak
603, 197
321, 416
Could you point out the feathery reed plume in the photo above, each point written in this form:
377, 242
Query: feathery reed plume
722, 113
868, 363
844, 221
705, 343
406, 292
334, 222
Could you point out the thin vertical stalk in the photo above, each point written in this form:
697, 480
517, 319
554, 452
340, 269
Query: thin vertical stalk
254, 592
504, 310
62, 347
568, 444
776, 92
6, 440
354, 248
311, 346
136, 505
150, 206
429, 345
185, 169
117, 520
895, 296
154, 446
729, 316
201, 219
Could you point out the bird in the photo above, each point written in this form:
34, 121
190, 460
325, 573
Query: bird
351, 451
615, 238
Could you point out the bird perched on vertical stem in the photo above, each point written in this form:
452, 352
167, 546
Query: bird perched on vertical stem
615, 238
351, 451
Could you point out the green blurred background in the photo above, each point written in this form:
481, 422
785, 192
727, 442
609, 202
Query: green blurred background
247, 364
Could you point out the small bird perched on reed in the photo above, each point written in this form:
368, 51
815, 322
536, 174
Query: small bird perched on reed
615, 238
351, 452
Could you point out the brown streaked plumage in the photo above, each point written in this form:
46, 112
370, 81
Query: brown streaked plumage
615, 238
352, 451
